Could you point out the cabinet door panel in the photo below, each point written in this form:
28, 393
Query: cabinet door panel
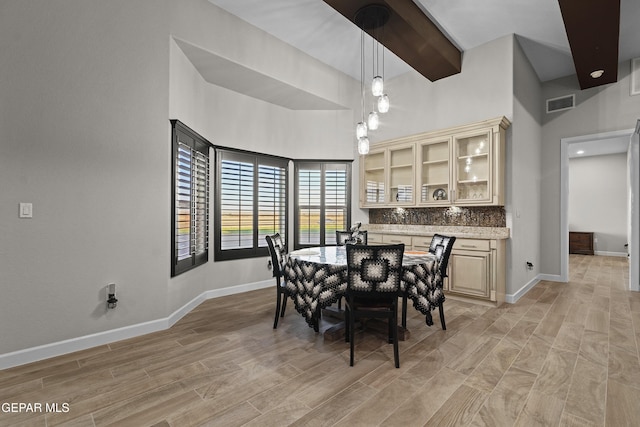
469, 273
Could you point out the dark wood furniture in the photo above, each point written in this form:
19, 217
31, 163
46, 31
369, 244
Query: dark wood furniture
374, 276
277, 250
581, 242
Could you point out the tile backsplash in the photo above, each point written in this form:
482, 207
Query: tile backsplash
475, 216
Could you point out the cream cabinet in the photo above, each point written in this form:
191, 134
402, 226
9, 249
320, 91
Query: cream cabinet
388, 176
434, 171
477, 269
456, 166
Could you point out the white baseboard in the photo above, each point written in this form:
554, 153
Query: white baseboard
512, 298
34, 354
616, 254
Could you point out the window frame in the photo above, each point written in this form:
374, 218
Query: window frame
322, 164
182, 134
257, 249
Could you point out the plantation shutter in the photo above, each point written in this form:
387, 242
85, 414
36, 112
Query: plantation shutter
322, 202
190, 194
236, 201
309, 204
252, 202
272, 194
335, 201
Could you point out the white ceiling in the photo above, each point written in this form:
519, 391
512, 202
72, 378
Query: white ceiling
599, 147
315, 28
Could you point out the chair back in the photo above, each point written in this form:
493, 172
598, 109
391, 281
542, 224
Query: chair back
374, 271
442, 246
357, 237
277, 250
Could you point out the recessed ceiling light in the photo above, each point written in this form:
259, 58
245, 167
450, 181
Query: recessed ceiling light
597, 73
580, 152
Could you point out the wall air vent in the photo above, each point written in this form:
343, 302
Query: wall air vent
561, 103
635, 76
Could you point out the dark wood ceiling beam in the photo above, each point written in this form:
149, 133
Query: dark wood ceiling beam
411, 35
593, 30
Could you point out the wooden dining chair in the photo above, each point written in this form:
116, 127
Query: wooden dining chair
374, 275
277, 250
441, 247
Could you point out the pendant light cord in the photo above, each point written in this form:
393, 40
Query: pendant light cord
362, 70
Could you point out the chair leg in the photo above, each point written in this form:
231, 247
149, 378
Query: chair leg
275, 322
285, 297
339, 303
351, 339
404, 311
346, 324
441, 310
316, 318
396, 355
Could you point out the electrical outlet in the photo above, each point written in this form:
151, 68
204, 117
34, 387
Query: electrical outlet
112, 301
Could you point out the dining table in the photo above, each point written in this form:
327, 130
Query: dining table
316, 278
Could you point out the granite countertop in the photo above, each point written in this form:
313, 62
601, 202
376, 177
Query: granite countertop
498, 233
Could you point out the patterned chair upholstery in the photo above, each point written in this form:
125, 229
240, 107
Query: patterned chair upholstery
441, 247
374, 276
278, 252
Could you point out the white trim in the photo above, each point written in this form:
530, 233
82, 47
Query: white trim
605, 253
34, 354
564, 191
512, 298
635, 77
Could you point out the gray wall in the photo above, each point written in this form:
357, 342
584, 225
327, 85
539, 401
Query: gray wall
598, 110
83, 114
598, 200
523, 177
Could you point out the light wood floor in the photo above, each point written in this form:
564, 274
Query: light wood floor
565, 354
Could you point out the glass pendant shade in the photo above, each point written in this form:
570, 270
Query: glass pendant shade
363, 145
383, 103
377, 86
361, 130
373, 121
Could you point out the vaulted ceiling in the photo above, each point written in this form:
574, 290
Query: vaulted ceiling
314, 27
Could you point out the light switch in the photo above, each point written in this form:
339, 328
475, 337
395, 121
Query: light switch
26, 210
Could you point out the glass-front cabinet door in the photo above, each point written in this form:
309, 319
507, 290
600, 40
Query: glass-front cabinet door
373, 178
401, 175
434, 171
473, 168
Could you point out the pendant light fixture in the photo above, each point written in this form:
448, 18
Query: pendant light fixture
371, 17
361, 128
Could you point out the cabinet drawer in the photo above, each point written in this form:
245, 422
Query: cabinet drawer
422, 242
394, 239
374, 238
472, 244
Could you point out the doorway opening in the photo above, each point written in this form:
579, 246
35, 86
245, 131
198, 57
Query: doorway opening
601, 142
